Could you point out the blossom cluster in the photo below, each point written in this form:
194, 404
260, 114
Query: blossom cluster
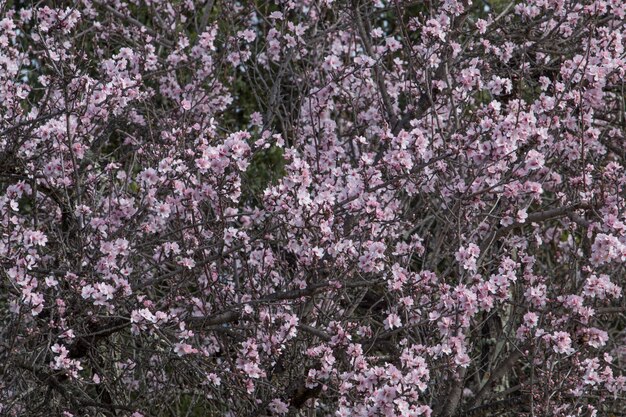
347, 208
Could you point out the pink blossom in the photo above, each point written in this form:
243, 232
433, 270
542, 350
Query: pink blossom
562, 343
392, 320
182, 349
277, 406
356, 210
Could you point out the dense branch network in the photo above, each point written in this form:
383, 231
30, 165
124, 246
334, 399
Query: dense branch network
312, 207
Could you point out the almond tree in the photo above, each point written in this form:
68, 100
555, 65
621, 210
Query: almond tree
312, 207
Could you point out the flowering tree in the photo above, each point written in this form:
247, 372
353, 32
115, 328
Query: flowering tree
312, 207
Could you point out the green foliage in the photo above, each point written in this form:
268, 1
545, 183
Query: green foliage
266, 168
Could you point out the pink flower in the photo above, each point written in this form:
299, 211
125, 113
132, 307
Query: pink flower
562, 343
534, 160
214, 379
277, 406
462, 359
607, 248
163, 210
531, 319
481, 25
601, 287
276, 15
247, 35
392, 321
596, 337
187, 263
467, 256
331, 63
35, 237
182, 349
